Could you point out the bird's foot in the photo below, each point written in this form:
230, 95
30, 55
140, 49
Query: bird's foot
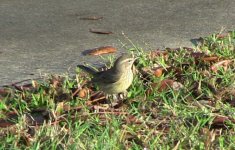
113, 100
123, 95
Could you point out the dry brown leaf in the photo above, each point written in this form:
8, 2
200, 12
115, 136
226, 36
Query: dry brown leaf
92, 18
222, 35
28, 87
176, 70
165, 84
210, 58
100, 50
223, 63
157, 53
231, 102
10, 120
197, 54
56, 81
221, 122
97, 31
83, 93
6, 92
220, 119
5, 123
158, 72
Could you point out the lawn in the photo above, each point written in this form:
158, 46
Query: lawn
181, 98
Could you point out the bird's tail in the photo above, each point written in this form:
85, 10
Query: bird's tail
87, 69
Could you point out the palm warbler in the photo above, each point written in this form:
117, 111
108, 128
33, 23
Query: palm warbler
115, 80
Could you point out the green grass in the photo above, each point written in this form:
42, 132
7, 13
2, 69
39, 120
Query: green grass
194, 110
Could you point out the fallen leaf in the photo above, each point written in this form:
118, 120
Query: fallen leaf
5, 123
6, 92
197, 54
222, 35
157, 53
56, 81
98, 31
223, 63
177, 71
158, 72
11, 119
26, 87
221, 122
165, 84
83, 93
210, 58
92, 18
100, 50
231, 102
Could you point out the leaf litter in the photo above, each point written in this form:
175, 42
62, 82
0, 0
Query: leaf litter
55, 100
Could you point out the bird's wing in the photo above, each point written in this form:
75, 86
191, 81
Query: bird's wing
87, 69
106, 77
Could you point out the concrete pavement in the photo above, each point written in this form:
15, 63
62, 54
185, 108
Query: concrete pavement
48, 36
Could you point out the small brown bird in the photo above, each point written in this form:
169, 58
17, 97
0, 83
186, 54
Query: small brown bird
115, 80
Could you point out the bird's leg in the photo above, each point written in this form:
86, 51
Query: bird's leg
115, 100
112, 99
125, 94
107, 97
